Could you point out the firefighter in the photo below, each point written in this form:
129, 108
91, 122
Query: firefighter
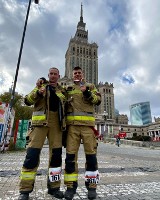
48, 121
81, 100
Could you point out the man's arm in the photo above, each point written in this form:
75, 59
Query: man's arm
91, 94
37, 93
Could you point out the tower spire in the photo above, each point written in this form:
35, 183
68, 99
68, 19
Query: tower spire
81, 14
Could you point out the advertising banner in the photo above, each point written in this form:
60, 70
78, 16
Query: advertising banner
6, 124
21, 134
2, 112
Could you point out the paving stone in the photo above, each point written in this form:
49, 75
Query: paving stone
127, 173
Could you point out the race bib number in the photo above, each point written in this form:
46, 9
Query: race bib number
92, 177
55, 174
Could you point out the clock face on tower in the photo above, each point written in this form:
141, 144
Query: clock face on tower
80, 28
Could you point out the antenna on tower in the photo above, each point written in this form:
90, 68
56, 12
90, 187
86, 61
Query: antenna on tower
81, 14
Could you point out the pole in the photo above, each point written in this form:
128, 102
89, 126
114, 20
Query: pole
16, 75
19, 57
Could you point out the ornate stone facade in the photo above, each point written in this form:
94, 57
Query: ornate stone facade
107, 105
82, 53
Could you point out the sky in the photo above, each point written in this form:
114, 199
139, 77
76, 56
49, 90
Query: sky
127, 33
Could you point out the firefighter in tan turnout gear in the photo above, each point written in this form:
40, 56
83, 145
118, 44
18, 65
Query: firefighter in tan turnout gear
82, 97
48, 121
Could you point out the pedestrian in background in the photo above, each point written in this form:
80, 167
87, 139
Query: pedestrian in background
118, 141
82, 98
48, 98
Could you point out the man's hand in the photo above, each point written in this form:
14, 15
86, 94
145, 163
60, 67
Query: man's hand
83, 88
42, 90
39, 83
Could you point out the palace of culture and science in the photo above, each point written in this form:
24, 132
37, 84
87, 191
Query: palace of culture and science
84, 54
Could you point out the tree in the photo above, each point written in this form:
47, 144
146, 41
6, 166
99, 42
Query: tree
21, 111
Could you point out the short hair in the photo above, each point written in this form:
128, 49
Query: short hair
77, 68
54, 68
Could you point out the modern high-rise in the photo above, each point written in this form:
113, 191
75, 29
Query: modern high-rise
82, 53
140, 113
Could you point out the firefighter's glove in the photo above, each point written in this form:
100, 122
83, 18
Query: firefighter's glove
87, 93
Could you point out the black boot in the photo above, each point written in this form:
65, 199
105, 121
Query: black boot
92, 194
69, 193
56, 193
24, 196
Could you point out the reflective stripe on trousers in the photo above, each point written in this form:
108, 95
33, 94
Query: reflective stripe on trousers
27, 175
70, 177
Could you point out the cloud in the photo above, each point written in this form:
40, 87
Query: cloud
127, 33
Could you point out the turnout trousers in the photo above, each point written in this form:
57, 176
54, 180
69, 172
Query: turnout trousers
75, 134
37, 138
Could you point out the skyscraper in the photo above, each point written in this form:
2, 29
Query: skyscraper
140, 113
82, 53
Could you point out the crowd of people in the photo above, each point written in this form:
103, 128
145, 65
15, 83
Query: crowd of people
65, 115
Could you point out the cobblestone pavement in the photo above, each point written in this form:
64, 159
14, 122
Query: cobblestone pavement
127, 173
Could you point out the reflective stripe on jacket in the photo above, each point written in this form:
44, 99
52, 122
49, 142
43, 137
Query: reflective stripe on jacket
80, 109
41, 105
80, 116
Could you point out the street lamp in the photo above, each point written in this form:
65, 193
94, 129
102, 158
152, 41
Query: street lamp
105, 114
16, 75
36, 1
20, 53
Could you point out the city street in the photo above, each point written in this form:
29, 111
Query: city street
126, 173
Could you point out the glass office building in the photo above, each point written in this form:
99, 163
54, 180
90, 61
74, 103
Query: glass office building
140, 113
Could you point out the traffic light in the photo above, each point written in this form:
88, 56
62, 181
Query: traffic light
36, 1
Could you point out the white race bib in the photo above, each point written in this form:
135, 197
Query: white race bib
55, 174
92, 177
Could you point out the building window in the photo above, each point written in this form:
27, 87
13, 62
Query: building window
134, 134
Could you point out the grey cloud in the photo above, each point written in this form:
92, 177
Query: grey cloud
126, 31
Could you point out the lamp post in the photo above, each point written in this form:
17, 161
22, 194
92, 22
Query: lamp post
20, 53
105, 114
16, 75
